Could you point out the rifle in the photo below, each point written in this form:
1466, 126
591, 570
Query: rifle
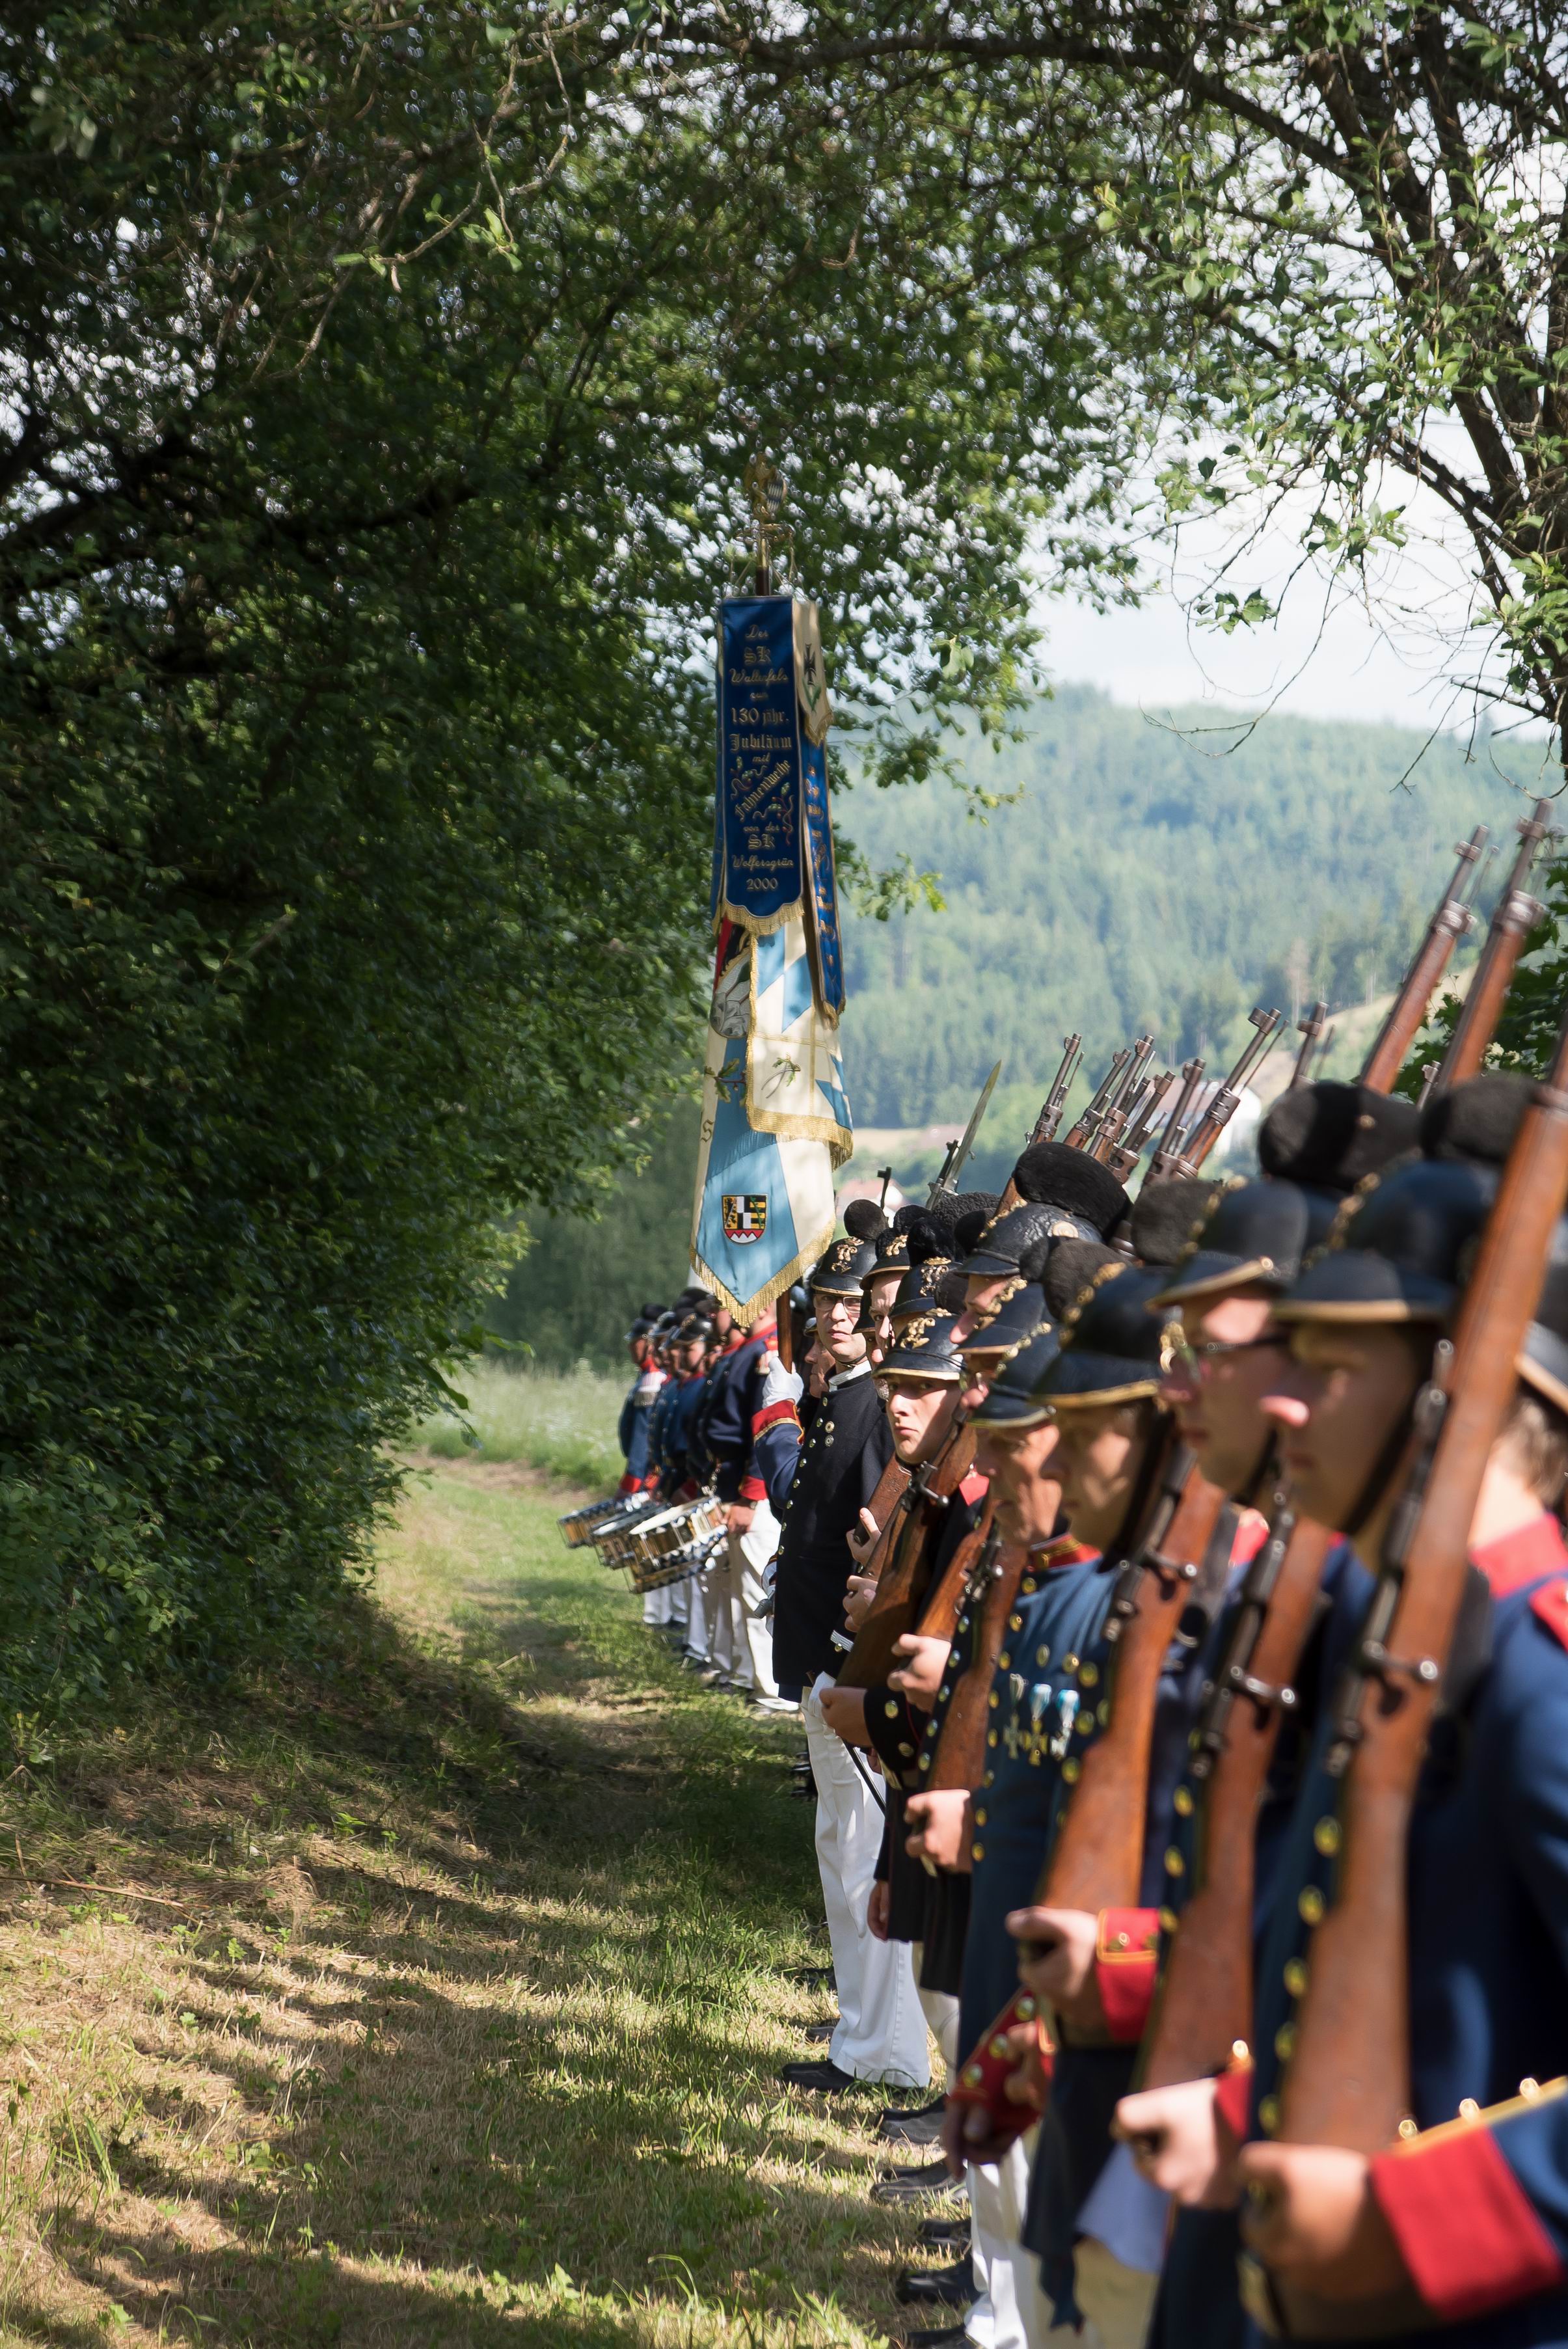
1409, 1009
1050, 1116
1139, 1126
1196, 1146
901, 1586
1096, 1860
1088, 1122
1128, 1095
884, 1507
957, 1151
1514, 916
1347, 2081
958, 1757
1309, 1029
1167, 1159
1203, 2006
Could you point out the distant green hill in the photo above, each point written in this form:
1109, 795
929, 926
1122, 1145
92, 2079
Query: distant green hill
1146, 881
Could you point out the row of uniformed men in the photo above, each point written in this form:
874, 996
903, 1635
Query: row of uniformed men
1282, 1329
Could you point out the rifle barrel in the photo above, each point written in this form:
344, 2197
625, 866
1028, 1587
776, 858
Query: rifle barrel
1515, 915
1409, 1009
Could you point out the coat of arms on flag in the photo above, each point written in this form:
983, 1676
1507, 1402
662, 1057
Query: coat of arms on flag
745, 1217
776, 1117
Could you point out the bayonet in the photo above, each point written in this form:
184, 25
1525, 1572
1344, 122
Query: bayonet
957, 1151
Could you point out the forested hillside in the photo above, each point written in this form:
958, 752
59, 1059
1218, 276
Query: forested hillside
1145, 879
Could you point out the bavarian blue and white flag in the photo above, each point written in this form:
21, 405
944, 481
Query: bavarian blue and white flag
775, 1123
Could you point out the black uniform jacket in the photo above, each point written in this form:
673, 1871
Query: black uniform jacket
845, 1449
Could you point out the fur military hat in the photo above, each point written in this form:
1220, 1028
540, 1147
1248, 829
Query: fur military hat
1328, 1136
1054, 1174
1112, 1345
1012, 1397
1068, 1271
973, 1210
923, 1349
1478, 1120
864, 1220
1255, 1234
1165, 1216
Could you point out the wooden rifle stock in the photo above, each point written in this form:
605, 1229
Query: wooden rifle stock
904, 1580
1347, 2083
959, 1760
1096, 1861
944, 1599
1514, 916
1409, 1009
1205, 2003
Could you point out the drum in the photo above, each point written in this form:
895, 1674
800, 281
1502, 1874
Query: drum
612, 1539
578, 1526
674, 1542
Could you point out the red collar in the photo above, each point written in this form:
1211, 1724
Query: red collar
1522, 1556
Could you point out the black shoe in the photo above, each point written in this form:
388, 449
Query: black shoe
926, 2182
932, 2336
824, 2078
945, 2234
813, 1977
951, 2287
819, 2034
921, 2126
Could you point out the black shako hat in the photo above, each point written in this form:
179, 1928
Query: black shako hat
1254, 1233
923, 1349
893, 1245
842, 1268
1113, 1346
1006, 1238
1327, 1136
922, 1290
1010, 1400
1017, 1317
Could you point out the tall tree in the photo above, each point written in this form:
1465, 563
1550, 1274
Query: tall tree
373, 382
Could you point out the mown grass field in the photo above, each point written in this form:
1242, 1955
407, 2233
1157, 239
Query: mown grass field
560, 1421
436, 1998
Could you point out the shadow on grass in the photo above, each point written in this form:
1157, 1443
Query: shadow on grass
484, 2000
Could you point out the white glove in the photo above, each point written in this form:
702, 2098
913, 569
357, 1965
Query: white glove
780, 1385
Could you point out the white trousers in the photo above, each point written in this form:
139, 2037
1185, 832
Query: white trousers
1012, 2312
940, 2009
749, 1553
881, 2031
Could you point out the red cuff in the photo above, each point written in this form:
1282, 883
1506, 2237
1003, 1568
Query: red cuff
752, 1488
629, 1484
1126, 1959
983, 2080
771, 1413
1465, 2229
1233, 2100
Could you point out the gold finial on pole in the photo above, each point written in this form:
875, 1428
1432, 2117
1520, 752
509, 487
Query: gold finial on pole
766, 488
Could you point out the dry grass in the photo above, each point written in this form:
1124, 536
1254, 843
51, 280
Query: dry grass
437, 1998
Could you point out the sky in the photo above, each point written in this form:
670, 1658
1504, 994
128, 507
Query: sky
1333, 652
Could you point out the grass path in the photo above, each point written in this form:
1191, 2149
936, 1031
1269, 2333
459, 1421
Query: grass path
436, 1998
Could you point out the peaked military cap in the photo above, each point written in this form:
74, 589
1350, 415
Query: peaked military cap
1327, 1136
1011, 1399
1402, 1252
1018, 1314
1006, 1238
1112, 1345
921, 1290
843, 1267
1254, 1233
923, 1349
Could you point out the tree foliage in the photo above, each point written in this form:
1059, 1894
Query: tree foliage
373, 384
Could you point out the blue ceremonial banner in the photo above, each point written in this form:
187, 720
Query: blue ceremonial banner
760, 880
774, 1115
